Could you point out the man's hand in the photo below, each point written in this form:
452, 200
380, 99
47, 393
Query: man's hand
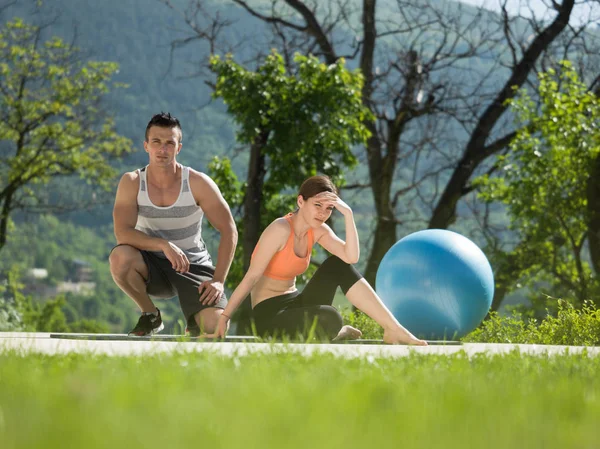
210, 292
221, 330
177, 257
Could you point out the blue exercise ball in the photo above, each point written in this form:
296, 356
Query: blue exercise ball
437, 283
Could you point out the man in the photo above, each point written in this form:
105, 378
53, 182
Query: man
157, 223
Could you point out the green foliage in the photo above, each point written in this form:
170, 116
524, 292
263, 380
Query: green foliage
49, 243
312, 117
51, 125
48, 316
570, 326
543, 183
19, 312
232, 189
10, 300
10, 318
369, 328
45, 316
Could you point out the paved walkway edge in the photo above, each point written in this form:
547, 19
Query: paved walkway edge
24, 343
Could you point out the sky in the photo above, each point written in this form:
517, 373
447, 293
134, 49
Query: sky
582, 13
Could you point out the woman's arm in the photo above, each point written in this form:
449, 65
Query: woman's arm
271, 241
348, 250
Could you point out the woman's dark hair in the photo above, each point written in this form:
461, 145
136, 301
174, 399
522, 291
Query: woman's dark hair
315, 185
164, 120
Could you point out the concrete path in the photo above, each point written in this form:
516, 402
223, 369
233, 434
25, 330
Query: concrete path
23, 343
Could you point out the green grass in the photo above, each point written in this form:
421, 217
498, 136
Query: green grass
289, 401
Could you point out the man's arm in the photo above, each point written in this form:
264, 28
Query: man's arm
125, 214
209, 198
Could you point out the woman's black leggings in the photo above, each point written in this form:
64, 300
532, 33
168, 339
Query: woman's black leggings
294, 313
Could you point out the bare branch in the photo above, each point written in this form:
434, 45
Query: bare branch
270, 19
416, 184
355, 186
7, 5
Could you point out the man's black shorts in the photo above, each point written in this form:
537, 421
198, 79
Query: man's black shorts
164, 282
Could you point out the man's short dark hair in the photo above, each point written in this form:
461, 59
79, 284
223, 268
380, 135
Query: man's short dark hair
164, 120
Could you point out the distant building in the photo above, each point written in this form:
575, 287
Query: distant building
80, 288
80, 281
82, 271
36, 273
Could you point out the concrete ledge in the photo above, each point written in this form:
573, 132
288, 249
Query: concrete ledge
24, 343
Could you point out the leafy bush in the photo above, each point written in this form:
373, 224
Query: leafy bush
357, 319
19, 312
10, 297
10, 319
570, 326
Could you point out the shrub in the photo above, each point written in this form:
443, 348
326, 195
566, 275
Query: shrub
357, 319
570, 326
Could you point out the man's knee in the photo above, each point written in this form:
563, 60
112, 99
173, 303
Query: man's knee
207, 319
123, 259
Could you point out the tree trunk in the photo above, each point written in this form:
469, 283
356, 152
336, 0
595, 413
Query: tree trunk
593, 204
253, 196
385, 237
382, 170
507, 273
4, 217
251, 221
380, 173
444, 214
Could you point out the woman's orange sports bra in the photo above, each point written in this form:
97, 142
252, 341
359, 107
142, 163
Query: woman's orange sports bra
285, 265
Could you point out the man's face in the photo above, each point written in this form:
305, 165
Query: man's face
163, 145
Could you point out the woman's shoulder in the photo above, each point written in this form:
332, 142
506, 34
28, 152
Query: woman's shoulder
276, 234
279, 226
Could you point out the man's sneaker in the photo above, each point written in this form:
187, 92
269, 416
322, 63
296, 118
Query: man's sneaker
147, 325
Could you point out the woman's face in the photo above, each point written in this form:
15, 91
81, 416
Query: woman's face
315, 210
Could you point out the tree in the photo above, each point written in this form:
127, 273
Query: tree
296, 125
51, 121
544, 185
425, 64
593, 200
11, 318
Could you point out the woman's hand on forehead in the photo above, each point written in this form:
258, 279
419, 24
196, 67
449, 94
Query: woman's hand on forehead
326, 196
331, 199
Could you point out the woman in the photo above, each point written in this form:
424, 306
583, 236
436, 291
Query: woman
283, 252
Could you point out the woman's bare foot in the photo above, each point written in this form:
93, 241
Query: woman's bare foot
399, 337
348, 333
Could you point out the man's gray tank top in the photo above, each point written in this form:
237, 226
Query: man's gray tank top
180, 223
